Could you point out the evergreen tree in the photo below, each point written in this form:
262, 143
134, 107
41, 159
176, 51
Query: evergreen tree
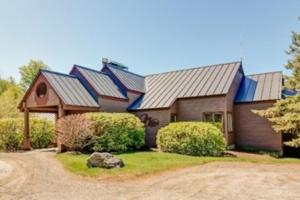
285, 113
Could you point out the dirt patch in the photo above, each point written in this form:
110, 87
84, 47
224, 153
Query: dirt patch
37, 175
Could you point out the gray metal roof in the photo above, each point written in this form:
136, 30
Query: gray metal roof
69, 89
260, 87
130, 80
163, 89
101, 82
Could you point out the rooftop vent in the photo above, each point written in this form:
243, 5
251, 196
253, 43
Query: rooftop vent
107, 62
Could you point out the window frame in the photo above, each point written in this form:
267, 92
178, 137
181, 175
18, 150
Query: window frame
213, 118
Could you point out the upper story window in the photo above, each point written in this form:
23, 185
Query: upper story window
41, 90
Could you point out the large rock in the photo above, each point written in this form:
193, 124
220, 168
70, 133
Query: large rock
104, 160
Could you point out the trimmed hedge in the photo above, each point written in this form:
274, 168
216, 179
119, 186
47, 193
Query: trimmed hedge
117, 132
11, 133
191, 138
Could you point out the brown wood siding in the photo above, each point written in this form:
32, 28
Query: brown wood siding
50, 99
254, 131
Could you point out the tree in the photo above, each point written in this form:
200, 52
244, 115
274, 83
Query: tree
285, 113
9, 101
5, 84
29, 71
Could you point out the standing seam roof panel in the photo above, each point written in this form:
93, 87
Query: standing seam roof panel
67, 88
259, 87
163, 89
181, 86
130, 80
224, 79
56, 87
191, 83
217, 80
230, 79
173, 89
267, 87
199, 88
210, 81
276, 82
102, 83
173, 76
197, 83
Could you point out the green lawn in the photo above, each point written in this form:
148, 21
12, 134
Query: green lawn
145, 163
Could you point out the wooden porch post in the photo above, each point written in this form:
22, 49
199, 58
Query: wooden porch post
26, 140
60, 114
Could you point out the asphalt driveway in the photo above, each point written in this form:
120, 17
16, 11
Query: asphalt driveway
37, 175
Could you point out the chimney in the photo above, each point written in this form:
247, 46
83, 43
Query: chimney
107, 62
104, 61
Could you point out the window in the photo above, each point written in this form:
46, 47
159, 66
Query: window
173, 117
213, 117
230, 125
216, 118
41, 90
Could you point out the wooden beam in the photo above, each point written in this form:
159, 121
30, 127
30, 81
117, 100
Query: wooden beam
61, 111
26, 140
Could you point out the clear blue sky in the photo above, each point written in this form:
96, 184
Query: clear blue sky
148, 36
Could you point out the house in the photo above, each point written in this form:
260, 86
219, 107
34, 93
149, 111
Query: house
219, 93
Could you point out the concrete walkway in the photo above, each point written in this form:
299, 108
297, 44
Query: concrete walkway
37, 175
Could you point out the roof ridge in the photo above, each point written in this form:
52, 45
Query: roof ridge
192, 68
265, 73
129, 72
57, 73
89, 69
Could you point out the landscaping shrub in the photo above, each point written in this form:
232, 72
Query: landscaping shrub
117, 132
11, 133
42, 132
191, 138
75, 131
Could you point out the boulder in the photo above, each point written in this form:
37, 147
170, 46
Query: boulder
104, 160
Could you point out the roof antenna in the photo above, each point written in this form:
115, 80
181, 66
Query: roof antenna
241, 46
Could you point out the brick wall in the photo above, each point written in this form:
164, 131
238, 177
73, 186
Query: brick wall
254, 131
193, 109
163, 117
111, 105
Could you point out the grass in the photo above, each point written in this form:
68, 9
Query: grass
147, 163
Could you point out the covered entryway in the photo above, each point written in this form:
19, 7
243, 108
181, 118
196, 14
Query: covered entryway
57, 93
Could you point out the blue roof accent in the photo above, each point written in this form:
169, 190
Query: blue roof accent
289, 93
137, 103
246, 90
260, 87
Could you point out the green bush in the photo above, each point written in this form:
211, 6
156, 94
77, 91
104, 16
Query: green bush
11, 133
117, 132
42, 133
191, 138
